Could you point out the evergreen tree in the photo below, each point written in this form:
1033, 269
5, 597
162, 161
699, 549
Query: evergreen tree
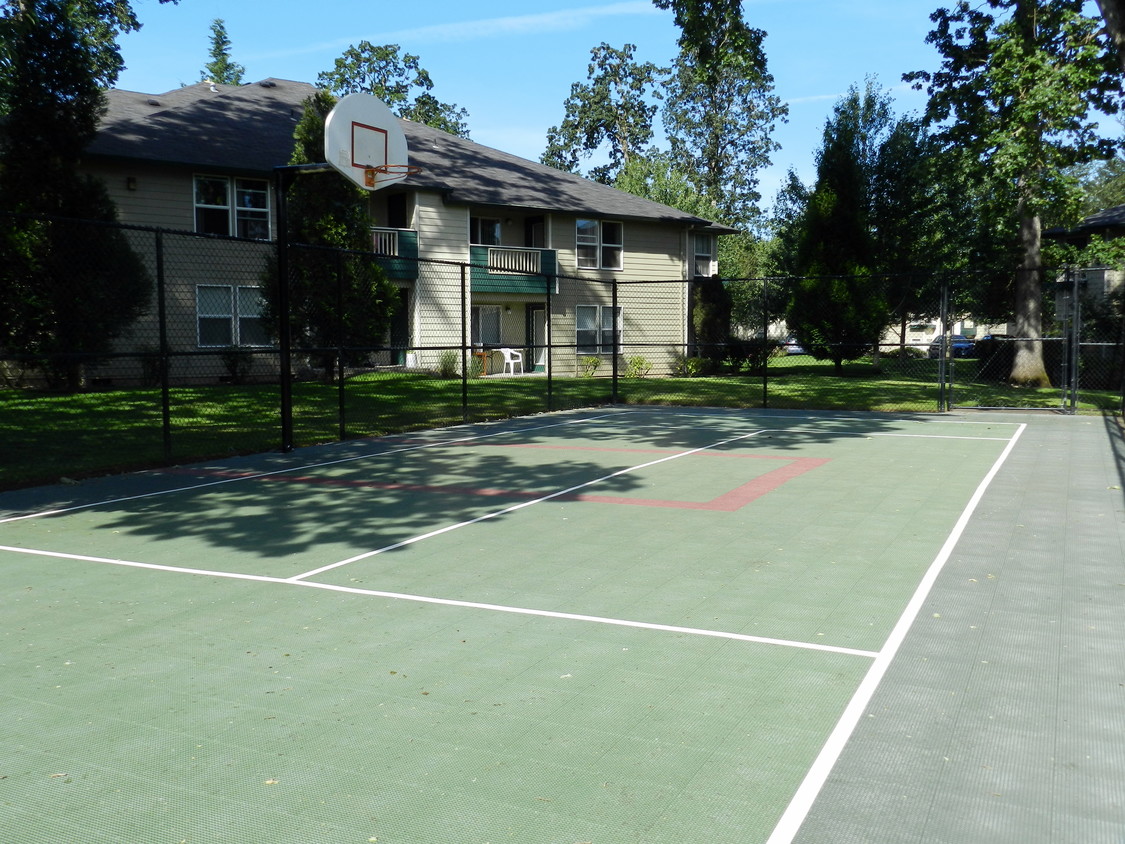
336, 299
221, 70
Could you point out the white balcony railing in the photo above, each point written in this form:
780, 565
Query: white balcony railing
384, 241
516, 261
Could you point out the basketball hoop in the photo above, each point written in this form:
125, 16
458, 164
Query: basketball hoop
372, 176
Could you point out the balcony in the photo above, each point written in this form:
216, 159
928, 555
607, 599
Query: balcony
398, 252
506, 269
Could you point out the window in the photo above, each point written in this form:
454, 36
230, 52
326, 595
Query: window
595, 328
485, 325
237, 207
484, 231
230, 316
704, 247
599, 244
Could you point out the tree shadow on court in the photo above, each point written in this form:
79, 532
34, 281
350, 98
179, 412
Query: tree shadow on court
377, 499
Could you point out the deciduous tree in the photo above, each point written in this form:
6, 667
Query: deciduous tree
397, 79
611, 113
1020, 89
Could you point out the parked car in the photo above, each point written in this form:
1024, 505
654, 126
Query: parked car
960, 346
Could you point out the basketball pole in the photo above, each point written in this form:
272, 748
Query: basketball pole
283, 178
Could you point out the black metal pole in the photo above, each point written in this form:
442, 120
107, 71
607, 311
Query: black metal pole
284, 329
464, 346
163, 362
614, 398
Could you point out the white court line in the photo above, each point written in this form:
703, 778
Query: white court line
451, 602
503, 512
798, 809
290, 469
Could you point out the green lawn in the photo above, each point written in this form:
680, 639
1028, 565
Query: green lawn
45, 437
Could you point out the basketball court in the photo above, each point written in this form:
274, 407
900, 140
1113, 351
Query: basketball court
614, 625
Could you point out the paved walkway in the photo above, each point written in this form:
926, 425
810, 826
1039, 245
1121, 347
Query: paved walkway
1003, 717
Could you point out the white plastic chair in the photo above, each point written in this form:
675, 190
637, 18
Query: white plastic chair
511, 358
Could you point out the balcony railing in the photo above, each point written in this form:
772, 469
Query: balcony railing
504, 259
397, 250
507, 269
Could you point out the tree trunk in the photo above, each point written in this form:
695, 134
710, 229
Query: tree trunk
1027, 367
1113, 12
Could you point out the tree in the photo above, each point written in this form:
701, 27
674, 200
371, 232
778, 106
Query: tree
612, 111
914, 231
1019, 87
1113, 12
720, 108
838, 306
398, 80
336, 299
67, 289
221, 70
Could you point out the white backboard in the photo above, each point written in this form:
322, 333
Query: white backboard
360, 134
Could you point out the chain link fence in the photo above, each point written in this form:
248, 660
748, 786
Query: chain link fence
205, 366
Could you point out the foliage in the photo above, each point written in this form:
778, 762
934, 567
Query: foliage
838, 307
684, 366
221, 70
449, 364
238, 361
588, 365
345, 302
69, 288
611, 111
1017, 93
637, 366
64, 287
710, 316
398, 80
720, 107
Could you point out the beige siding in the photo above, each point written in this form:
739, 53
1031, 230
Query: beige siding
442, 236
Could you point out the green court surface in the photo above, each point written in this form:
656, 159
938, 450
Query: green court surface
622, 625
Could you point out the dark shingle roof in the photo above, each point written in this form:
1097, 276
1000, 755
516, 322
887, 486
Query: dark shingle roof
249, 129
1109, 222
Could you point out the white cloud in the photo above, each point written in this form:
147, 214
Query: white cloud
544, 22
488, 28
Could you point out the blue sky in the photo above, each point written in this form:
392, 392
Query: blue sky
512, 68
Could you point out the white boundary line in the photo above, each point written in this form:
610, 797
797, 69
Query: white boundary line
451, 602
799, 807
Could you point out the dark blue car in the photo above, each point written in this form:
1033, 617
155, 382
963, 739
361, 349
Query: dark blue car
960, 346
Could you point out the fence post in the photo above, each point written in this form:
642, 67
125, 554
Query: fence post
341, 408
284, 329
464, 345
163, 361
943, 321
550, 357
615, 348
766, 353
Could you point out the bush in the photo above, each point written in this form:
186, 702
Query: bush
685, 367
588, 365
448, 364
637, 366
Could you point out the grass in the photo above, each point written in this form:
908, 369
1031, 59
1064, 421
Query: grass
48, 437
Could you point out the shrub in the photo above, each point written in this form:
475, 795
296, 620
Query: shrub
637, 366
448, 364
588, 365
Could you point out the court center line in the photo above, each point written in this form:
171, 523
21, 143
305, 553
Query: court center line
251, 476
800, 805
515, 507
452, 602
